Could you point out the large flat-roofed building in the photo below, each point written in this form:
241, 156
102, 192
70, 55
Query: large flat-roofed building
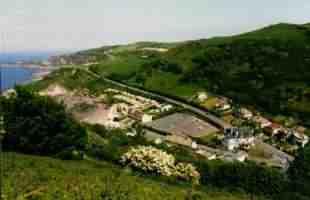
182, 124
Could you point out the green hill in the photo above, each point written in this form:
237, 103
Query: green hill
32, 177
268, 68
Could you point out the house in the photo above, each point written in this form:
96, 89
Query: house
202, 96
131, 134
263, 122
239, 138
158, 141
301, 138
194, 145
231, 157
223, 106
146, 118
273, 129
300, 129
166, 108
232, 143
122, 108
135, 114
246, 114
284, 134
140, 116
241, 156
208, 155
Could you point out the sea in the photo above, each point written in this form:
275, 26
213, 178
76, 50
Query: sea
15, 75
11, 75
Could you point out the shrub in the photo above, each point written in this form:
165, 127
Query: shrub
249, 177
299, 172
150, 159
70, 154
39, 125
99, 129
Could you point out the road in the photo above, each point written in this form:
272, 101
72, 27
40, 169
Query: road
211, 118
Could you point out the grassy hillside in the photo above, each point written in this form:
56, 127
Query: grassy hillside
269, 68
44, 178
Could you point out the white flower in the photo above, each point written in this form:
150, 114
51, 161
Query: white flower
150, 159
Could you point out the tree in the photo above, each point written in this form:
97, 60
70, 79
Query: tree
299, 172
39, 125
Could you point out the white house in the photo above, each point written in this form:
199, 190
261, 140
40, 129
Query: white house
245, 113
236, 138
158, 141
240, 156
202, 96
223, 105
302, 139
210, 156
146, 118
131, 134
232, 143
194, 145
166, 108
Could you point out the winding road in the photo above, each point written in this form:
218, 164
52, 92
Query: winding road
210, 117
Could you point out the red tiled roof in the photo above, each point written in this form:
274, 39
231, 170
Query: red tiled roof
275, 126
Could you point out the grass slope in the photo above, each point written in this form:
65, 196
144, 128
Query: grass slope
32, 177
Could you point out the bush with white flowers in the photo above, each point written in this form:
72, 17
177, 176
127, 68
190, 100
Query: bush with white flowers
187, 172
150, 159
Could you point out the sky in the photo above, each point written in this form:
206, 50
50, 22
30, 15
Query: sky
81, 24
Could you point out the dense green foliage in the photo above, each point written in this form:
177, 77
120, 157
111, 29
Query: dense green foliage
249, 177
269, 68
38, 125
300, 172
110, 145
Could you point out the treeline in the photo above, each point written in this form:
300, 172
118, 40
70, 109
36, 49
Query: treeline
271, 73
39, 125
254, 179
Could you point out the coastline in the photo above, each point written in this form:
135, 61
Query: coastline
30, 66
38, 72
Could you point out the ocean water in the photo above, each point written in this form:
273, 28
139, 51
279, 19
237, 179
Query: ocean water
10, 76
14, 75
8, 57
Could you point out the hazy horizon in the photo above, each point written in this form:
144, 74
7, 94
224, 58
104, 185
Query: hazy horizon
72, 25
